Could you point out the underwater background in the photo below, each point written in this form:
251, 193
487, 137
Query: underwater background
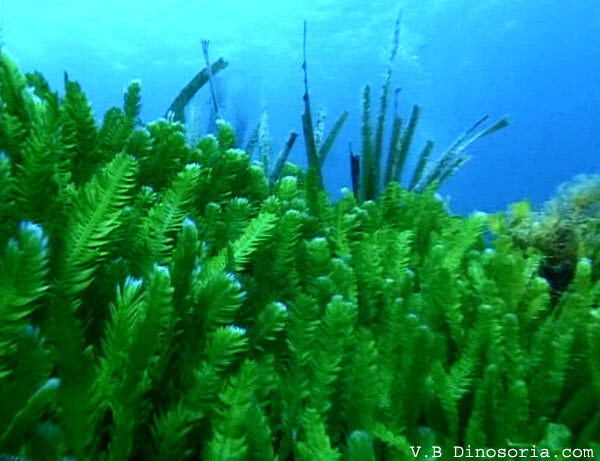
536, 61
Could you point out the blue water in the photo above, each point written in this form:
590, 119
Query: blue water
536, 60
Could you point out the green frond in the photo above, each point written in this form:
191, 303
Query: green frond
369, 272
13, 133
332, 136
593, 356
393, 148
288, 234
341, 229
256, 232
316, 445
225, 171
75, 368
404, 144
139, 145
337, 329
241, 430
28, 365
378, 141
145, 338
95, 214
259, 434
236, 214
171, 431
483, 426
167, 155
217, 298
421, 164
16, 433
166, 217
344, 278
549, 365
316, 259
367, 167
399, 251
38, 180
449, 393
225, 345
8, 209
12, 90
312, 154
409, 382
79, 132
397, 447
42, 90
225, 135
556, 437
462, 237
23, 281
588, 433
302, 333
125, 313
515, 413
366, 394
184, 261
454, 157
113, 135
360, 447
269, 323
132, 102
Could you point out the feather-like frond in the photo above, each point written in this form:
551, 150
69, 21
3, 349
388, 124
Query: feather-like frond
23, 281
96, 212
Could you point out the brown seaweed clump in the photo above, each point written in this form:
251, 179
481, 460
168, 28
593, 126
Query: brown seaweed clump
565, 229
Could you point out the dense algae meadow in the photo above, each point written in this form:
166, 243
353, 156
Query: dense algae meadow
167, 300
